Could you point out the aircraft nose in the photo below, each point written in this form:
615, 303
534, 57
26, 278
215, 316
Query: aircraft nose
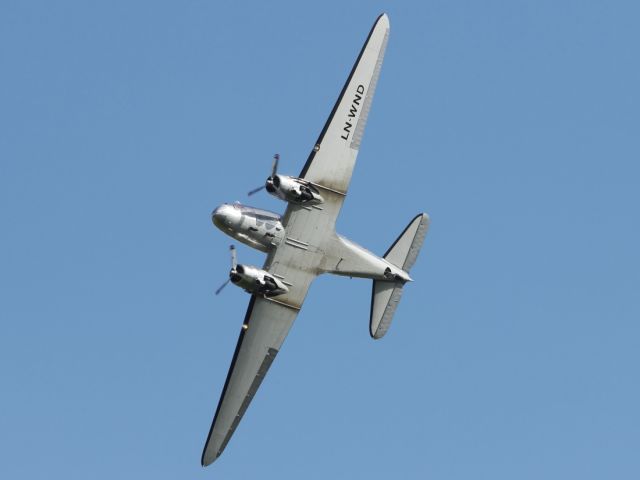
225, 216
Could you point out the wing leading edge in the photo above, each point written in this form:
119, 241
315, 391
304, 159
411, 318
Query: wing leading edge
333, 157
265, 326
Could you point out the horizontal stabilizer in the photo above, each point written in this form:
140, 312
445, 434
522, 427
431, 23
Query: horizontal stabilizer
405, 249
385, 295
384, 300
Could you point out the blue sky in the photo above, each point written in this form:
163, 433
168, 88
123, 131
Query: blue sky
513, 124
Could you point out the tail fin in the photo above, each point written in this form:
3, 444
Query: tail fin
385, 296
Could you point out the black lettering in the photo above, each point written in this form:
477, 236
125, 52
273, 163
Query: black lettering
352, 112
347, 128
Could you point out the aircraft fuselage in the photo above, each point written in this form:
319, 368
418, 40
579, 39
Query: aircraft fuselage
263, 230
259, 229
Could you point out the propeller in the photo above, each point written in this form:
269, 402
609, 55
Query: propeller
274, 170
234, 265
234, 258
221, 287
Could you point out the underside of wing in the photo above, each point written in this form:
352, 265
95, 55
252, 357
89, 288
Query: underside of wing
264, 329
333, 157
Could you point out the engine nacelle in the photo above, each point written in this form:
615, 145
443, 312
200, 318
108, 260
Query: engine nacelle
293, 190
257, 281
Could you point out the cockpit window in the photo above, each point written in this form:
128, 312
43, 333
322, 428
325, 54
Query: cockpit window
258, 213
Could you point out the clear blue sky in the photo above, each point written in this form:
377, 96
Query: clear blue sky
514, 124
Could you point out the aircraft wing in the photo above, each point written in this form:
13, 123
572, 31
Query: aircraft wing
331, 162
333, 157
265, 327
297, 260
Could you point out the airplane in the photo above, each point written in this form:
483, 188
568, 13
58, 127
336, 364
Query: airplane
303, 244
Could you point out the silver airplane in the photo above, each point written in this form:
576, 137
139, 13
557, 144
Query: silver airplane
303, 244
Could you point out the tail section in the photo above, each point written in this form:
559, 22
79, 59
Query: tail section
405, 249
385, 295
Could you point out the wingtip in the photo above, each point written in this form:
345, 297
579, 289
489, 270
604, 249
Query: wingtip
208, 456
383, 18
205, 461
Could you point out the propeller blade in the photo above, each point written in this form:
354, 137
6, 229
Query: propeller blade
222, 286
255, 190
234, 260
274, 170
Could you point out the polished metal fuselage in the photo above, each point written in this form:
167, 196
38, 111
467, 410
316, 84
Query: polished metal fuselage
264, 231
260, 229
